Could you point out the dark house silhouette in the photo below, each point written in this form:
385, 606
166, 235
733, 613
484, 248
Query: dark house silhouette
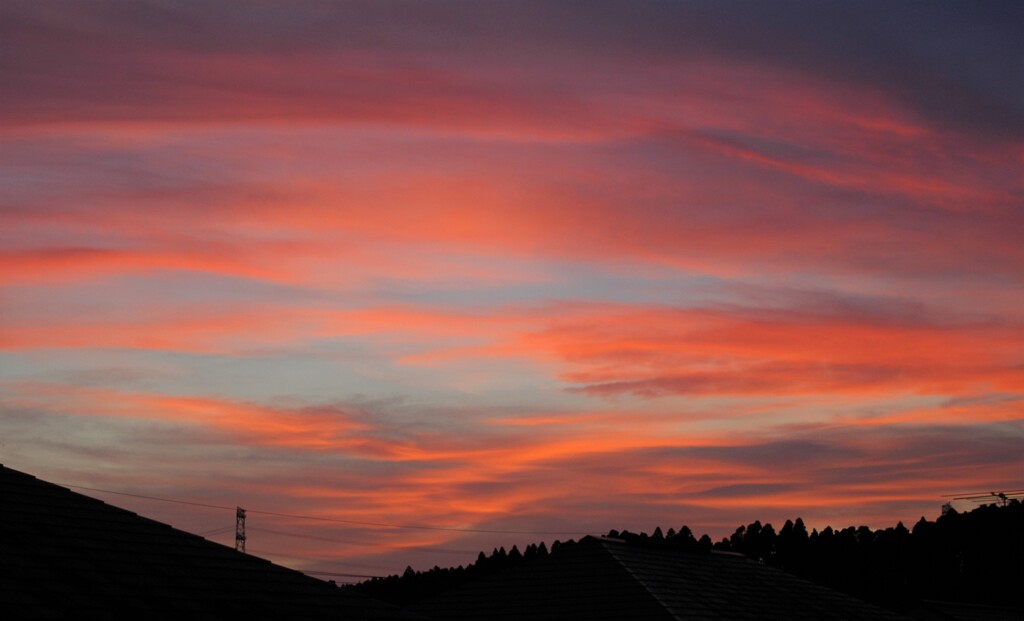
609, 579
68, 556
958, 611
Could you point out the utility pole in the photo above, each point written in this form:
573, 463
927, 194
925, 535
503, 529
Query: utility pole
240, 529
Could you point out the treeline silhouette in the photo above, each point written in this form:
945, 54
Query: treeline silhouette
974, 557
413, 586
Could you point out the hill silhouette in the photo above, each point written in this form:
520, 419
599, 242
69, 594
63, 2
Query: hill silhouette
975, 557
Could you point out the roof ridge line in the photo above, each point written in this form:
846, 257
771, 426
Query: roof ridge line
632, 575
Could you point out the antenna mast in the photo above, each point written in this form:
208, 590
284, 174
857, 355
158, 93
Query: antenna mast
240, 529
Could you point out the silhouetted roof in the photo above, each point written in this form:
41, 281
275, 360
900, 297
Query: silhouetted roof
68, 556
960, 611
598, 579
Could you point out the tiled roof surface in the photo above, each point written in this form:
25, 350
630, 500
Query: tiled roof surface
731, 586
958, 611
583, 582
68, 556
604, 579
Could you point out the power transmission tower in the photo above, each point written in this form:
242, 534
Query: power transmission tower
240, 529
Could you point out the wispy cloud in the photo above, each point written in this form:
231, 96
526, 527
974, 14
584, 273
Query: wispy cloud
527, 267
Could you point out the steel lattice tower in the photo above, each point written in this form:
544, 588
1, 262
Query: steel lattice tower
240, 529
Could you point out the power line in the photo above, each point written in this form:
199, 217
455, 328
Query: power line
336, 520
336, 573
358, 543
980, 494
418, 526
323, 519
264, 553
180, 502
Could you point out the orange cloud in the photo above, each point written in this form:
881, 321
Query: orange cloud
262, 184
494, 476
662, 351
841, 179
607, 349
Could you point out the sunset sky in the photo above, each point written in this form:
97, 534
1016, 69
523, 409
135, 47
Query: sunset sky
541, 268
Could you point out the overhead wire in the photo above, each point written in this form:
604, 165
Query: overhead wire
341, 574
335, 520
969, 495
418, 549
225, 529
417, 526
180, 502
286, 555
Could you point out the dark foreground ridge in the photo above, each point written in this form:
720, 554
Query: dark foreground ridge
960, 562
68, 556
601, 579
971, 558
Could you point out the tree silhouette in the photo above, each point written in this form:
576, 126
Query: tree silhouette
975, 557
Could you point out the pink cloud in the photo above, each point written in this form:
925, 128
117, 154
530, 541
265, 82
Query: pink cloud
664, 351
467, 186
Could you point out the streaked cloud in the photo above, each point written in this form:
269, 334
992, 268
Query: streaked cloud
526, 267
